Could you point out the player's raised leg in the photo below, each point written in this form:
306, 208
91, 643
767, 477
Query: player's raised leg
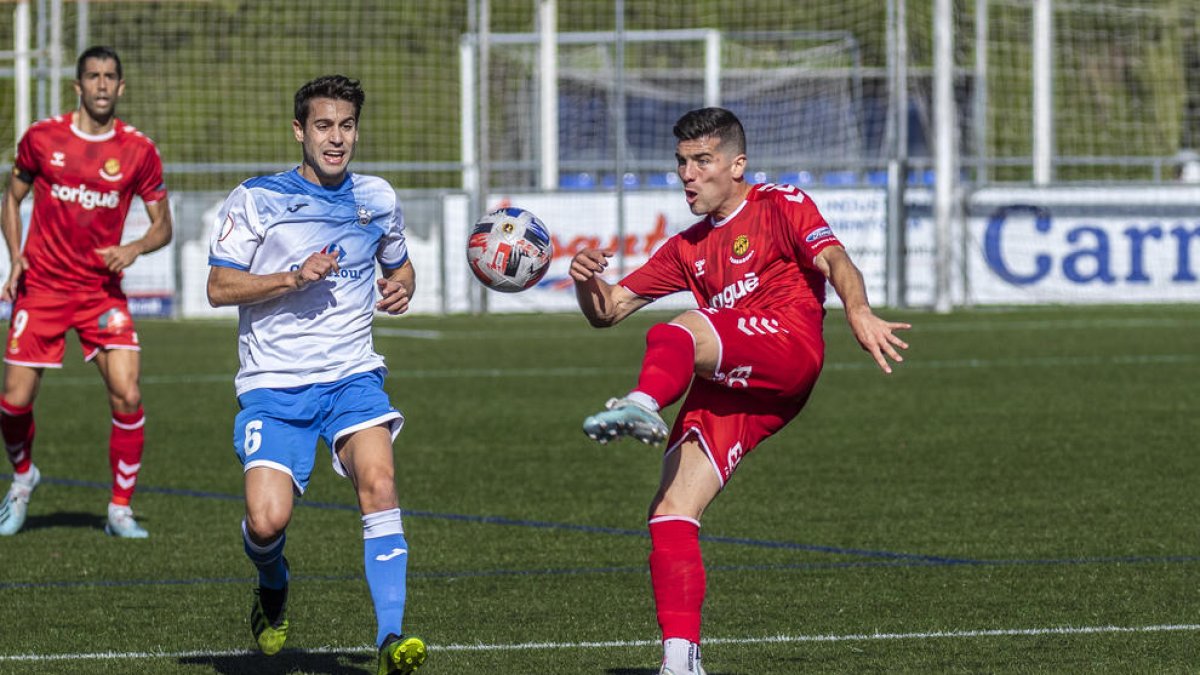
120, 369
17, 427
268, 511
366, 456
675, 351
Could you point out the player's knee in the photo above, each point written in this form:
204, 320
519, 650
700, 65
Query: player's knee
126, 401
689, 333
266, 525
680, 324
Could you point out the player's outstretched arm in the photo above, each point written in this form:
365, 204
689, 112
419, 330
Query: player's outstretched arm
602, 303
229, 286
10, 224
158, 235
874, 334
396, 289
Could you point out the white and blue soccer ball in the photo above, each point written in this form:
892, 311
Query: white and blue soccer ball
509, 250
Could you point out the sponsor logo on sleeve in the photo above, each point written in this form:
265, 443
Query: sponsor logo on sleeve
819, 234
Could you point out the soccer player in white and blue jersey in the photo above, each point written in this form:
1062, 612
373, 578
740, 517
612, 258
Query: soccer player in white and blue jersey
297, 252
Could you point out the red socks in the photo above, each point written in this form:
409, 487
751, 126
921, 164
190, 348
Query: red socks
124, 445
668, 365
16, 426
677, 574
125, 453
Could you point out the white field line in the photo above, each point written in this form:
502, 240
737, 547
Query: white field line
545, 646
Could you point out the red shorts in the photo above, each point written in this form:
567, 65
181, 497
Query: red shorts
40, 321
768, 365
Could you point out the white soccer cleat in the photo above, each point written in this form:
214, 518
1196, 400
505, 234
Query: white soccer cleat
667, 671
623, 417
121, 524
16, 503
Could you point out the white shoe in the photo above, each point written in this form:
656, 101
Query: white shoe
623, 417
667, 671
16, 503
121, 524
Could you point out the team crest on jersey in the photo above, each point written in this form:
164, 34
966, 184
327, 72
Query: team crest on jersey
364, 215
741, 250
112, 170
58, 158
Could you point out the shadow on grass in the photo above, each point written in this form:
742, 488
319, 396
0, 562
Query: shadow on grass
85, 521
285, 662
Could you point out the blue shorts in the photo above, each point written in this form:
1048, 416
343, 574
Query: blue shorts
279, 428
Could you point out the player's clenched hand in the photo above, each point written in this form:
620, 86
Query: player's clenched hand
117, 258
315, 268
877, 337
588, 263
395, 296
14, 277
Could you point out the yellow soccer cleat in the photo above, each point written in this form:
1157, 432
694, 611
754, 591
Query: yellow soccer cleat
401, 654
269, 634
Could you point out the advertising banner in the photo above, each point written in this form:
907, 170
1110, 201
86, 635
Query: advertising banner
1084, 245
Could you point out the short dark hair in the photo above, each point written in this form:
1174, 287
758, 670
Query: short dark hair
98, 52
716, 122
336, 87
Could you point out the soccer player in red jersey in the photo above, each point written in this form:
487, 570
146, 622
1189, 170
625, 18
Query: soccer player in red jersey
84, 168
757, 266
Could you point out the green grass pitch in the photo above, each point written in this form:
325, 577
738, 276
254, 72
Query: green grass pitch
1020, 496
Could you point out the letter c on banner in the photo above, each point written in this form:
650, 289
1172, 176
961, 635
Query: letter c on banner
993, 251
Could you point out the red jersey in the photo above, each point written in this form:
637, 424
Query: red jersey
759, 257
82, 189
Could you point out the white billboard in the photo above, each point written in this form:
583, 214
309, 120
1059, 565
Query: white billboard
1012, 246
589, 220
1084, 245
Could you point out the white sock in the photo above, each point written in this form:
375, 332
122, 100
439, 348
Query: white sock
644, 400
681, 657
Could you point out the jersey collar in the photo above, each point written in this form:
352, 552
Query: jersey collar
726, 219
94, 138
316, 189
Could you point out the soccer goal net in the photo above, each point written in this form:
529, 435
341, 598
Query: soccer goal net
801, 92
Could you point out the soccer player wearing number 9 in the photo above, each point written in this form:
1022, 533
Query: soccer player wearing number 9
756, 265
84, 168
296, 252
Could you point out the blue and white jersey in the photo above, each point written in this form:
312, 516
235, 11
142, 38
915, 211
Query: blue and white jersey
321, 333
